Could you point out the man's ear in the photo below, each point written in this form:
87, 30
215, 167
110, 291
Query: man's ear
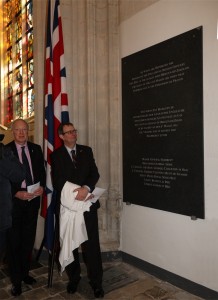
61, 136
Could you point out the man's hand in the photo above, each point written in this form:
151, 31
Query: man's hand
24, 195
82, 193
38, 192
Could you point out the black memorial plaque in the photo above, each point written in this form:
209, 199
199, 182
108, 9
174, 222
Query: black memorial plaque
162, 119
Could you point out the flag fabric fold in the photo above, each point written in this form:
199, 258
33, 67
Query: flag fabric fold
56, 108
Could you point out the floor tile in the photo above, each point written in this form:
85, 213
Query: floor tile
121, 281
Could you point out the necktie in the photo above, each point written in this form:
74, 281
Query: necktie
29, 179
73, 153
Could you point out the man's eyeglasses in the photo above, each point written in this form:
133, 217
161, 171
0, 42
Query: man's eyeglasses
71, 132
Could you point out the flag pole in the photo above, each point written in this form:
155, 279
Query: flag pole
56, 112
53, 253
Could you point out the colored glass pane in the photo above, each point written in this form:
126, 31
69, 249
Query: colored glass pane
8, 11
8, 36
29, 18
9, 60
17, 6
9, 109
18, 80
18, 53
31, 100
30, 78
30, 45
10, 85
18, 106
18, 27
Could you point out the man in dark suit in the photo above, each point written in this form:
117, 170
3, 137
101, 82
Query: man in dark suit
25, 206
75, 163
11, 170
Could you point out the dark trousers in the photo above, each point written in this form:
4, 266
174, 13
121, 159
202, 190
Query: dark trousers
21, 238
91, 253
3, 234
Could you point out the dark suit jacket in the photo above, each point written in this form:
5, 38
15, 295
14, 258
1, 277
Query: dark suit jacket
38, 166
11, 171
63, 169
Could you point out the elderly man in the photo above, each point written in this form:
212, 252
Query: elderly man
25, 206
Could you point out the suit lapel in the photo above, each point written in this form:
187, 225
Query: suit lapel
65, 154
79, 152
31, 152
14, 149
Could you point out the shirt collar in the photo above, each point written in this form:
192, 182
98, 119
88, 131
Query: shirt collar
70, 149
20, 146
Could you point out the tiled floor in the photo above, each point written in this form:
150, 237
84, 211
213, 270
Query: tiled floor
121, 281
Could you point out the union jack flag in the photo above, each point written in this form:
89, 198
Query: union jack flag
56, 107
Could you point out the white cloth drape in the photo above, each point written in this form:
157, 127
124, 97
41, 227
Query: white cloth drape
72, 224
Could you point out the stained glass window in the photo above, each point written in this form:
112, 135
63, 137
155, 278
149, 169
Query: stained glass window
19, 64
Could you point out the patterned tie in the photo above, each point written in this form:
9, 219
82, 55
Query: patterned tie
29, 179
73, 153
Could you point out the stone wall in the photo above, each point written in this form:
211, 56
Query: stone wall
130, 7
